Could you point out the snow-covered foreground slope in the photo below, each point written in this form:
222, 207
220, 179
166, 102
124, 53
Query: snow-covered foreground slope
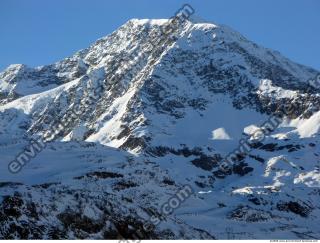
166, 123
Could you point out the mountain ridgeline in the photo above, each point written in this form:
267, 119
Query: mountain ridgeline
167, 120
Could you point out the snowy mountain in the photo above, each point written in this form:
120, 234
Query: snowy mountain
113, 157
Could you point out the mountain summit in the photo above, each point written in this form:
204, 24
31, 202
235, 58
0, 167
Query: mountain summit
168, 118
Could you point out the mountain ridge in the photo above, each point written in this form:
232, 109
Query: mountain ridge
165, 121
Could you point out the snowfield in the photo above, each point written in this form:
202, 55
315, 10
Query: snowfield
168, 121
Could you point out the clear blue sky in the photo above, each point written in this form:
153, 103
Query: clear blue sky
38, 32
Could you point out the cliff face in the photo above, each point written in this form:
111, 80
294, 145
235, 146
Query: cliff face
114, 156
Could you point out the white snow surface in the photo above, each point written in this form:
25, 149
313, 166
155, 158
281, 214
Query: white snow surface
168, 122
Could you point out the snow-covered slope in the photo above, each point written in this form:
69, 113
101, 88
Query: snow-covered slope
166, 120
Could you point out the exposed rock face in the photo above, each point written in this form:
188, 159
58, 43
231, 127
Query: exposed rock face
133, 126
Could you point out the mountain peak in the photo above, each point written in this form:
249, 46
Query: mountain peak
175, 111
148, 21
193, 19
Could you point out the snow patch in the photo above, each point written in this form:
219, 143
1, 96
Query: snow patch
220, 134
